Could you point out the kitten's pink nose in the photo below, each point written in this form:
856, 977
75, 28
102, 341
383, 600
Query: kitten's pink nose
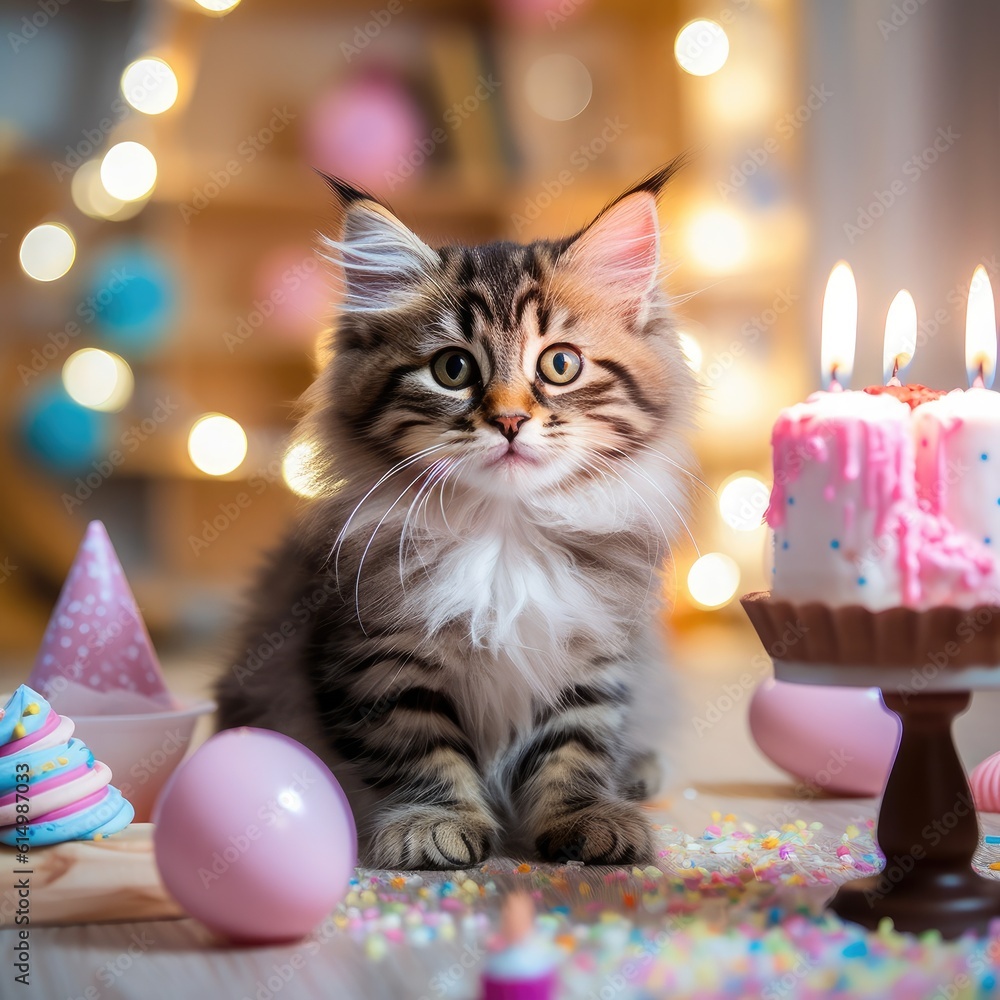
509, 423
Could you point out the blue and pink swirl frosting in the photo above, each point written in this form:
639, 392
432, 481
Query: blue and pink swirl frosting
51, 788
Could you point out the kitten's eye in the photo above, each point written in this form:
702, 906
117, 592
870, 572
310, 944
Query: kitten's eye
560, 364
454, 369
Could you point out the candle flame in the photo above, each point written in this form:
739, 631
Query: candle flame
900, 335
981, 330
840, 326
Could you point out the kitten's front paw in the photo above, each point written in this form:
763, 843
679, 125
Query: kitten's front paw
432, 837
606, 833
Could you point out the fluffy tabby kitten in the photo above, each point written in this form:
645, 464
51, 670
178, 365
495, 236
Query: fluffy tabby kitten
464, 624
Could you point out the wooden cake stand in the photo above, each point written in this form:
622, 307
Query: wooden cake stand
927, 825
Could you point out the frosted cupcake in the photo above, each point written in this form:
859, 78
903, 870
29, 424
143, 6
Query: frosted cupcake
69, 795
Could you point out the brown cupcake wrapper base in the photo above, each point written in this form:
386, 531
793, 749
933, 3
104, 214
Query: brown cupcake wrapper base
947, 638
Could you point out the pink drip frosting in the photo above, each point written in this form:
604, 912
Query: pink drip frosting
854, 449
881, 455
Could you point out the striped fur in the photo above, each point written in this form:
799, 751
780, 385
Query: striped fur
464, 625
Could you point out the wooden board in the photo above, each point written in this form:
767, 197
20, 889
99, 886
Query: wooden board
93, 881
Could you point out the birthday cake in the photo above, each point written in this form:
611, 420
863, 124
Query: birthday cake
51, 788
888, 498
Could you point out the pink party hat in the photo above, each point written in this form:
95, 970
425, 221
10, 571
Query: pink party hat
96, 656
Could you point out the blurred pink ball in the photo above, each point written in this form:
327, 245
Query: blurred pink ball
365, 130
840, 739
985, 784
298, 285
254, 837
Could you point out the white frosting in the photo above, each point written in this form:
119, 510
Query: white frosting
856, 508
841, 461
958, 460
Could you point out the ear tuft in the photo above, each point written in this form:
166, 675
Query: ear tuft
346, 193
620, 250
383, 262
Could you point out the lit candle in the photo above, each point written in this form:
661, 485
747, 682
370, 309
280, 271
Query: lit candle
900, 337
842, 463
840, 327
981, 331
958, 437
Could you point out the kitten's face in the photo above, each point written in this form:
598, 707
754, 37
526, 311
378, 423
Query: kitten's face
513, 368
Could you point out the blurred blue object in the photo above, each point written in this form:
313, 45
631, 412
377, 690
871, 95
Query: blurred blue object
63, 435
135, 292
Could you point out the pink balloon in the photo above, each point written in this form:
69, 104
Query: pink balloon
369, 131
840, 739
254, 837
299, 289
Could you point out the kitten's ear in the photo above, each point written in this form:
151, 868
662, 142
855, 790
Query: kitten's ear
383, 262
619, 252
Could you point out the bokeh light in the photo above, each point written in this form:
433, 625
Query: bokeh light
150, 85
47, 252
217, 444
713, 580
691, 350
217, 6
298, 470
558, 87
717, 239
128, 171
91, 198
743, 499
701, 47
99, 380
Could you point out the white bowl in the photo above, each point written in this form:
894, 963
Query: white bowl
142, 750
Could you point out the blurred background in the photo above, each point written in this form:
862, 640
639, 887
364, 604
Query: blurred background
163, 301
